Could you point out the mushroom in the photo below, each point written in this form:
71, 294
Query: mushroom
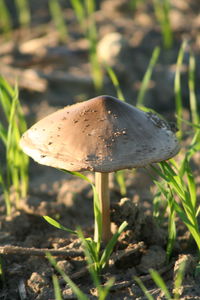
102, 135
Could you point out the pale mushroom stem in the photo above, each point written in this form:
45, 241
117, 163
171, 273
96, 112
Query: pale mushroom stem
101, 183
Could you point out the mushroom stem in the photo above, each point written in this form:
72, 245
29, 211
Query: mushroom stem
101, 182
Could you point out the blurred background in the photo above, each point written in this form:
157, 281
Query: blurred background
62, 52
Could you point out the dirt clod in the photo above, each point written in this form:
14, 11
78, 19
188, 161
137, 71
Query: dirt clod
153, 258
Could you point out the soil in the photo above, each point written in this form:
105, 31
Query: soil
52, 74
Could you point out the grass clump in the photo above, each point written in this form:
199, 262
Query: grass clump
178, 184
14, 177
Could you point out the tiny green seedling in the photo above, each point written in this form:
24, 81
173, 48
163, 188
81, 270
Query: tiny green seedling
96, 259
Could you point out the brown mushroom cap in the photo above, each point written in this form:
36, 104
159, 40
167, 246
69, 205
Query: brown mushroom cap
103, 134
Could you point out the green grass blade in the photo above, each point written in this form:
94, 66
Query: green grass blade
177, 88
2, 273
6, 87
160, 283
105, 290
174, 179
178, 280
147, 76
171, 228
84, 11
192, 149
191, 83
179, 187
162, 9
110, 246
58, 18
96, 69
143, 288
134, 4
80, 295
191, 185
96, 203
189, 220
90, 6
10, 145
6, 194
94, 266
58, 225
77, 174
5, 98
119, 175
197, 270
159, 204
23, 12
97, 214
3, 134
198, 211
159, 172
115, 82
5, 18
57, 291
171, 218
16, 174
79, 11
167, 30
92, 247
12, 149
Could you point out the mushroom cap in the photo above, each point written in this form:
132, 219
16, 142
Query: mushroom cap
103, 134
